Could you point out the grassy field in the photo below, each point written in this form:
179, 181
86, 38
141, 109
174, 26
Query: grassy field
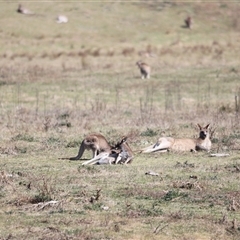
59, 82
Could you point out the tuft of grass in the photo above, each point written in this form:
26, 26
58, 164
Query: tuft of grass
23, 137
73, 144
149, 133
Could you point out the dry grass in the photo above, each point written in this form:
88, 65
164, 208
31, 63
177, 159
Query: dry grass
60, 82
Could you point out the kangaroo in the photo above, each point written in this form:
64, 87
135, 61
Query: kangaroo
188, 22
145, 69
61, 19
165, 144
120, 153
95, 142
23, 10
126, 154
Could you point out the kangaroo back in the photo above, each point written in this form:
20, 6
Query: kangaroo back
184, 144
95, 142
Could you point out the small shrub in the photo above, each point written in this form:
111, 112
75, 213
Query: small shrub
141, 210
73, 144
53, 140
65, 123
172, 195
64, 116
225, 108
128, 51
23, 137
22, 149
93, 207
2, 83
215, 140
41, 197
128, 113
149, 133
45, 190
87, 169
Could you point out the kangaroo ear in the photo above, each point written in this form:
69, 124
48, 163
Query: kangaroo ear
207, 126
125, 139
199, 126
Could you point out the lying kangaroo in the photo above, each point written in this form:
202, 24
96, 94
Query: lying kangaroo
61, 19
95, 142
121, 154
23, 10
145, 69
164, 144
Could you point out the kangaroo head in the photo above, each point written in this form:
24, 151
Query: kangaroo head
124, 139
91, 140
138, 63
119, 144
204, 131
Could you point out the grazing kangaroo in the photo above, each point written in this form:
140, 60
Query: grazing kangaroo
145, 69
164, 144
121, 153
23, 10
95, 142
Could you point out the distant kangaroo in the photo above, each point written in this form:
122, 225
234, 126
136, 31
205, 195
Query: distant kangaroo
164, 144
61, 19
23, 10
145, 69
188, 22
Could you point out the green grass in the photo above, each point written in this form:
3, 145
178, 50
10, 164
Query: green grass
59, 82
136, 202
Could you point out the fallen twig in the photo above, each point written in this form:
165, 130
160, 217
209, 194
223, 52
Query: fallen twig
42, 205
219, 155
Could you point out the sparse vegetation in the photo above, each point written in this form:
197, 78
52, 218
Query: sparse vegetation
61, 82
